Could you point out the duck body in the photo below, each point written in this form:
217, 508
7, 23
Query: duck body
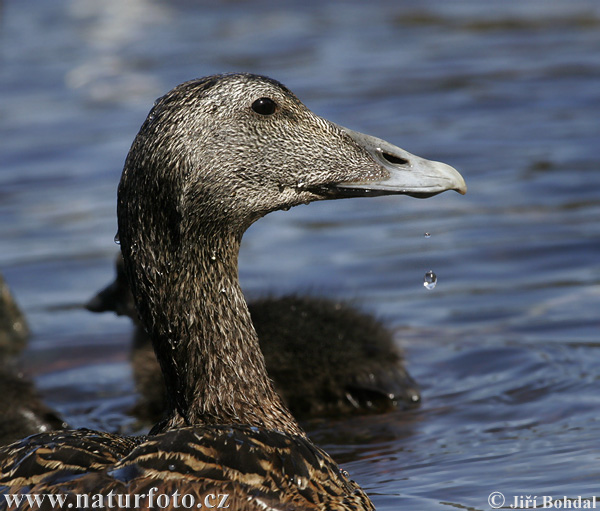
211, 465
326, 357
213, 156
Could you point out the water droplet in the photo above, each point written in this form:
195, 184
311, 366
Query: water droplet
223, 290
171, 468
430, 280
300, 184
213, 256
427, 235
117, 239
286, 208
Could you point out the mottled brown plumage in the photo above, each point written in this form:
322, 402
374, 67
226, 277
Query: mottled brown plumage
213, 156
272, 468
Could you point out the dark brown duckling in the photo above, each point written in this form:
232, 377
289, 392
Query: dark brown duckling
326, 357
213, 156
14, 330
23, 411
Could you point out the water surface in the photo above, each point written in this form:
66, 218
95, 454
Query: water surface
504, 346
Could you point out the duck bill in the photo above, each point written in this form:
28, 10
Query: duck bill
407, 174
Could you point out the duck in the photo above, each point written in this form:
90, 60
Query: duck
354, 365
213, 156
23, 410
14, 330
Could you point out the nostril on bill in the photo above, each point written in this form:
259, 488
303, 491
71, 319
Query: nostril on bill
396, 160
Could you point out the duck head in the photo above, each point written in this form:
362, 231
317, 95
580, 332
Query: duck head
238, 146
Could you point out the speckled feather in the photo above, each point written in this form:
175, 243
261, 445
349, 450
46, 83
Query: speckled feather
257, 469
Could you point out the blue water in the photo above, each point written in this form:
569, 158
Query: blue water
505, 347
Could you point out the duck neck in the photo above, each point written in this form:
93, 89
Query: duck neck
205, 341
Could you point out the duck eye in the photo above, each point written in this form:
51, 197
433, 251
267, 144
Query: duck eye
264, 106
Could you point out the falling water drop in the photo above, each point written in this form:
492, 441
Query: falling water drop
117, 239
430, 280
428, 235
